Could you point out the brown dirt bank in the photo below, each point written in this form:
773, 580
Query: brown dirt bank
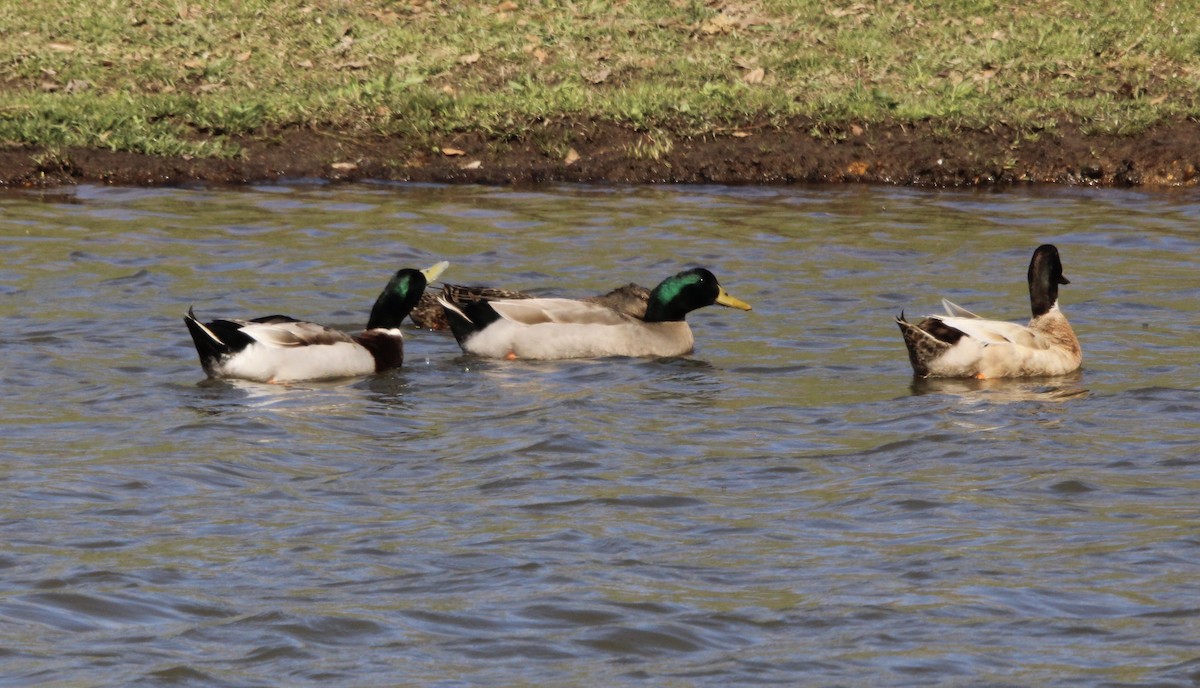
923, 154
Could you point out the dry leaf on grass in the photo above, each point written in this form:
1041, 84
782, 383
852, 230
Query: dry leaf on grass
856, 10
451, 152
599, 76
754, 76
386, 17
718, 24
572, 157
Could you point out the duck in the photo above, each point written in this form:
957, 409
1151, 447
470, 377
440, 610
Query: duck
428, 314
556, 328
962, 344
279, 348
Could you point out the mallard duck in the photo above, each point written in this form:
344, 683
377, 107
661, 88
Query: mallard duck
630, 299
546, 328
277, 348
962, 344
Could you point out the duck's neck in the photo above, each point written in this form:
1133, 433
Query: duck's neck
1044, 276
389, 310
658, 311
1043, 296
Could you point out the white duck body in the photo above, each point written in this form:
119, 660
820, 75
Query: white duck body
292, 350
281, 349
1047, 346
548, 328
961, 344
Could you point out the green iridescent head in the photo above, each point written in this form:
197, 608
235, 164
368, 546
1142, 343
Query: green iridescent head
680, 294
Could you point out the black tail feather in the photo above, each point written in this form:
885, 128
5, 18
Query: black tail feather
226, 339
479, 314
210, 350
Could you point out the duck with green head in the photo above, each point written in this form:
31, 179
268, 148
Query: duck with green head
278, 348
548, 328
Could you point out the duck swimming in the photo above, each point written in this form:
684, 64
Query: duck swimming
278, 348
962, 344
550, 328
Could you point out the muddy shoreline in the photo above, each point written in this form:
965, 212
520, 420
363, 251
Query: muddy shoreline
922, 154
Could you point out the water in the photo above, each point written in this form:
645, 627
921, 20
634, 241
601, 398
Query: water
786, 506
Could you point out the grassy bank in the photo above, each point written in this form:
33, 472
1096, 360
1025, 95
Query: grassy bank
191, 78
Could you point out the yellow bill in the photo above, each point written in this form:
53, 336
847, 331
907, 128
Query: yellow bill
724, 299
434, 271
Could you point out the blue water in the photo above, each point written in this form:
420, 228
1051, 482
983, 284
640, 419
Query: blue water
785, 506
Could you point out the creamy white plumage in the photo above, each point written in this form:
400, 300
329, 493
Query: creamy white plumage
281, 349
962, 344
284, 350
549, 328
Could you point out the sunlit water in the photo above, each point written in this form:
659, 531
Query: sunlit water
786, 506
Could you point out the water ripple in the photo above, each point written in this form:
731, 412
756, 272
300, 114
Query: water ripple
786, 502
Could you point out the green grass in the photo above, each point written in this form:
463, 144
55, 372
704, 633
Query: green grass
182, 77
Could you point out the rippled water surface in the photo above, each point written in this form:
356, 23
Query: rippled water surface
786, 506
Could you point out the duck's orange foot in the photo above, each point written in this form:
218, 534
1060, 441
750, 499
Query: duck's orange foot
511, 356
980, 376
